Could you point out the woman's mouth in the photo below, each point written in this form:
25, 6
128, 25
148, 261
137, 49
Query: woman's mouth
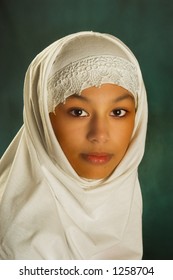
97, 158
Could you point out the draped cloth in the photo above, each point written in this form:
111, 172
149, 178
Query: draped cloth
46, 210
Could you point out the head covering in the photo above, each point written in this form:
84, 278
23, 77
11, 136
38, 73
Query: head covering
47, 211
88, 72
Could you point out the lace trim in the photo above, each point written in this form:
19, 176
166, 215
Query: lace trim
88, 72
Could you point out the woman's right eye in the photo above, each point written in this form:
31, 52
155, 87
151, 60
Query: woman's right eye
77, 112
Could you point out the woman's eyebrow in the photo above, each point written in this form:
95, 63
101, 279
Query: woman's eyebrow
78, 96
124, 96
117, 99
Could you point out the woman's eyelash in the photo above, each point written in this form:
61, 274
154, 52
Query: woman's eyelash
78, 112
119, 113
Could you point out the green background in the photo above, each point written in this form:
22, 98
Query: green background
146, 26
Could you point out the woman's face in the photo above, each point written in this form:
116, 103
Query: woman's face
94, 129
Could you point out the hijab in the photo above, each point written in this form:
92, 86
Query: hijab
46, 210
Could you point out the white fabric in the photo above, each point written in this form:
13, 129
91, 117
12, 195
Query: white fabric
46, 210
88, 72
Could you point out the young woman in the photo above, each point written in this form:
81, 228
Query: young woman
69, 180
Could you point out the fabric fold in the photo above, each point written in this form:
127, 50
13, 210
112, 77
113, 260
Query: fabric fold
46, 210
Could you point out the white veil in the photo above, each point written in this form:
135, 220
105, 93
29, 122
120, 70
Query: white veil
46, 210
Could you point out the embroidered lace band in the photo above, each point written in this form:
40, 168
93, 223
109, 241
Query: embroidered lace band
88, 72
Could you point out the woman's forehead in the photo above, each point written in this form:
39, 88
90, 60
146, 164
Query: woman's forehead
106, 92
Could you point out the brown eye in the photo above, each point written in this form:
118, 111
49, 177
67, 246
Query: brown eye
119, 113
77, 112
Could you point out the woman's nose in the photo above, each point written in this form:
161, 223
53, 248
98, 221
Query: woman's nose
98, 131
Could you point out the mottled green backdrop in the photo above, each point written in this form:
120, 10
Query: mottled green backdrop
146, 26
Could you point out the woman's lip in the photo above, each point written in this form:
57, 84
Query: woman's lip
97, 158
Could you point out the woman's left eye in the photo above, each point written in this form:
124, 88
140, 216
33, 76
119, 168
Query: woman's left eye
119, 113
